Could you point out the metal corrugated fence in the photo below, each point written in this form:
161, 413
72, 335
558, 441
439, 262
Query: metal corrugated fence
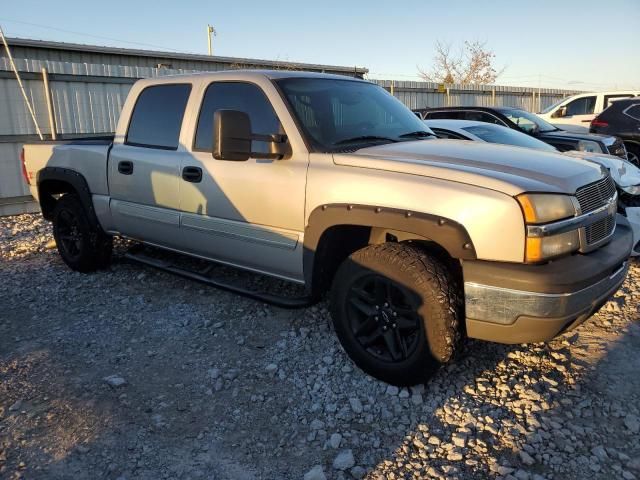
427, 94
87, 99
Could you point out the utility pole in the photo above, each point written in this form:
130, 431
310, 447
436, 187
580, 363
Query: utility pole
210, 32
24, 93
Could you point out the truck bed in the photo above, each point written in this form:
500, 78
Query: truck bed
86, 155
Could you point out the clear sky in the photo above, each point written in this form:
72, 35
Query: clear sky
576, 44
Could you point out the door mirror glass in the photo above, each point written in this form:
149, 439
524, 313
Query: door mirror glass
232, 137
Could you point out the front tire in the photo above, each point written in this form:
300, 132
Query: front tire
397, 312
83, 248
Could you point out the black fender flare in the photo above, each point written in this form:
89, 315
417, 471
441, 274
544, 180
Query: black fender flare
71, 177
448, 234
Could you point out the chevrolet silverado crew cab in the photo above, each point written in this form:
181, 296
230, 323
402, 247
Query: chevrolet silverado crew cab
332, 183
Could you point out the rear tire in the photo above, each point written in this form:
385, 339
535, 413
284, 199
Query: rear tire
397, 312
83, 248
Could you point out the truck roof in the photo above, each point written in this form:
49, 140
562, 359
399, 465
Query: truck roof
248, 75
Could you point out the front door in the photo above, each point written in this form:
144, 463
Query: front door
578, 112
246, 213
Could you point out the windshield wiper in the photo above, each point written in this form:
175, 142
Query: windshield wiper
417, 134
364, 138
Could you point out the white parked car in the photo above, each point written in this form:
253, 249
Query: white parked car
575, 113
625, 175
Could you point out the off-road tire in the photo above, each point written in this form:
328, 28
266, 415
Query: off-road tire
430, 281
83, 247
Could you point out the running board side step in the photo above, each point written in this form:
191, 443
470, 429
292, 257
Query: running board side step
278, 301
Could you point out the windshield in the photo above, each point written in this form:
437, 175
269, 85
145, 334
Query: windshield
553, 105
528, 122
507, 136
338, 115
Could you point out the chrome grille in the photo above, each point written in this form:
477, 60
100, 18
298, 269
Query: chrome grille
600, 230
595, 195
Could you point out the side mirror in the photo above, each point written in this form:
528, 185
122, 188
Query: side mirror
232, 138
231, 135
561, 112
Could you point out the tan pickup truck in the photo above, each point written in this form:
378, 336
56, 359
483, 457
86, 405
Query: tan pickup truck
332, 183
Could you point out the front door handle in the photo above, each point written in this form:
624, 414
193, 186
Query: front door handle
192, 174
125, 167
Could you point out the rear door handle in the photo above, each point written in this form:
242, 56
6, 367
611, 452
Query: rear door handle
192, 174
125, 167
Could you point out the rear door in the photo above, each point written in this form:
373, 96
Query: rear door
246, 213
144, 169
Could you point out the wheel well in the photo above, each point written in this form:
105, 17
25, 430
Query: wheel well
335, 245
49, 192
340, 241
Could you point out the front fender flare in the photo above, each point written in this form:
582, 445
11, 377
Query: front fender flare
450, 235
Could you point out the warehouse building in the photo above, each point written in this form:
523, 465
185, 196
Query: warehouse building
88, 85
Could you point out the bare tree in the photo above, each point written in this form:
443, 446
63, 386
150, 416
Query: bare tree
473, 64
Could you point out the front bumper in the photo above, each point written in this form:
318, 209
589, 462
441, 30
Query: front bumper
518, 303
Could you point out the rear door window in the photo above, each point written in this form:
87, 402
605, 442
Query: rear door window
157, 116
633, 111
445, 114
485, 117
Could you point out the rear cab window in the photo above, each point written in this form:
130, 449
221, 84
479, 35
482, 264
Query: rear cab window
157, 116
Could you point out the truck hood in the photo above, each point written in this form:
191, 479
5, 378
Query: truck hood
507, 169
623, 172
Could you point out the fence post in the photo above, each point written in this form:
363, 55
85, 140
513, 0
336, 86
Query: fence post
539, 102
392, 85
19, 80
448, 98
493, 96
50, 111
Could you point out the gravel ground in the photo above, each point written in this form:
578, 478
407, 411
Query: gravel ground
133, 373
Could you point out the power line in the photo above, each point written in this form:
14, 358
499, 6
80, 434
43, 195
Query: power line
82, 34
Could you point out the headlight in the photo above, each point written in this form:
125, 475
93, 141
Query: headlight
540, 208
544, 207
590, 146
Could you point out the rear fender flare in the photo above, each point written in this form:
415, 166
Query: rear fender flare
75, 180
